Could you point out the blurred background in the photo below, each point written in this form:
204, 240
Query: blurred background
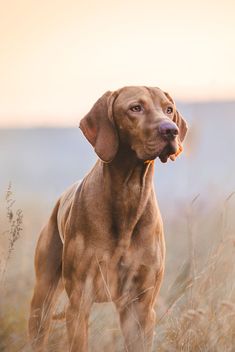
57, 58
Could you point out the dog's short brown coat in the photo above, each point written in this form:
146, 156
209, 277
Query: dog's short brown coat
104, 240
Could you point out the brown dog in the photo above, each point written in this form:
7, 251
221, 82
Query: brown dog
104, 239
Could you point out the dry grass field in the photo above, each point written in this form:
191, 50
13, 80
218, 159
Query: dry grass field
196, 307
56, 59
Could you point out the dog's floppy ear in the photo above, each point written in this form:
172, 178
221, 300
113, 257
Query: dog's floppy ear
98, 127
179, 120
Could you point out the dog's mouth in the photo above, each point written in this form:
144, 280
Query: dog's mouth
163, 151
170, 148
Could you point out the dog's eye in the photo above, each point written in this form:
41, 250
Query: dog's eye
169, 110
136, 108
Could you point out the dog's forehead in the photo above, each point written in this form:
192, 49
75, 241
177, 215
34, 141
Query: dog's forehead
136, 93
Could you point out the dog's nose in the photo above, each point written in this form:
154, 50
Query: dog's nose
168, 130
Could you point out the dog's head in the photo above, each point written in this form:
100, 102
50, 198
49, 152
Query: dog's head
143, 119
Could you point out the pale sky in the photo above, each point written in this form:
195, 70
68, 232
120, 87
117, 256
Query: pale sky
57, 57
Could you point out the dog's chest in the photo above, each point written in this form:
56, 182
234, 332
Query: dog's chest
126, 277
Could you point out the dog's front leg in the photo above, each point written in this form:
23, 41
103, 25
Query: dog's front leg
78, 274
77, 316
137, 323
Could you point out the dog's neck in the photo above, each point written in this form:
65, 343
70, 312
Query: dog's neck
126, 169
129, 184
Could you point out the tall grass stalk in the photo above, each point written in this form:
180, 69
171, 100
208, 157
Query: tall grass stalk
13, 232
